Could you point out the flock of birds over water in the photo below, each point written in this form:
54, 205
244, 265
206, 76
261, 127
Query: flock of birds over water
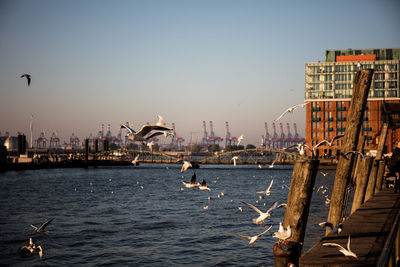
147, 132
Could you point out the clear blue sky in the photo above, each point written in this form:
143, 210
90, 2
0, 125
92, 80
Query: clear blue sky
95, 62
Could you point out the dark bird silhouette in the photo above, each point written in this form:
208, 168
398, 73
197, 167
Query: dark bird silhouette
28, 78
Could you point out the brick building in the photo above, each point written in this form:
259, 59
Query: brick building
329, 87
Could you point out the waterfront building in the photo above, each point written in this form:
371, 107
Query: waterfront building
328, 91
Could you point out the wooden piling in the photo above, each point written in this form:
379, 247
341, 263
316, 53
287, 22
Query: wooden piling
362, 83
358, 159
379, 178
369, 192
361, 179
297, 209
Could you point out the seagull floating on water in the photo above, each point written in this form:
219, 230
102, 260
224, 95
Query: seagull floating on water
42, 227
283, 233
203, 186
253, 239
290, 110
346, 252
267, 192
30, 249
28, 78
263, 215
335, 230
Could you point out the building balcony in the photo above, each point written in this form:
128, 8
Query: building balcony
315, 108
341, 108
330, 119
341, 119
367, 129
365, 118
330, 129
316, 119
341, 129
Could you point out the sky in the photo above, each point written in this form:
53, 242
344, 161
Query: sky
111, 62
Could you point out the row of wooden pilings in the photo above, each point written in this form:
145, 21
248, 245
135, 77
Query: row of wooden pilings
365, 172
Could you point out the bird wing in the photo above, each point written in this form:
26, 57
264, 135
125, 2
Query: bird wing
321, 143
336, 137
160, 120
28, 77
251, 206
45, 224
265, 231
155, 134
243, 236
274, 206
326, 224
296, 146
333, 245
126, 127
348, 244
34, 227
280, 116
269, 187
193, 179
148, 128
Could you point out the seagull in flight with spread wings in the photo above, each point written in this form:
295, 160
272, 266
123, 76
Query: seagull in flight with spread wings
186, 165
329, 143
301, 147
28, 78
263, 215
143, 132
253, 239
335, 230
42, 227
267, 192
346, 252
240, 138
290, 110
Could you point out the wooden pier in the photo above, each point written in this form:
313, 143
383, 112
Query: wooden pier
370, 229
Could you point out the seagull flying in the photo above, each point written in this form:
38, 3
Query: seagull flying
203, 186
283, 233
267, 192
42, 227
324, 173
185, 166
192, 183
253, 239
145, 130
150, 145
28, 78
346, 252
160, 121
240, 139
301, 147
353, 152
234, 160
330, 143
135, 161
335, 230
272, 164
290, 110
263, 215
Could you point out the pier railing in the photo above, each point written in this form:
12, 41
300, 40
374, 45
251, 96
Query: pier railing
391, 251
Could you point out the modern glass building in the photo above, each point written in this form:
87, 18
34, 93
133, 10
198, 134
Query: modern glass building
329, 87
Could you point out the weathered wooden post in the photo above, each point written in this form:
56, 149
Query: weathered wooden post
362, 83
369, 192
358, 160
379, 178
361, 182
296, 214
86, 153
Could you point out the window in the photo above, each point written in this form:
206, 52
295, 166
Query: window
358, 52
380, 67
389, 54
379, 76
379, 85
392, 67
392, 84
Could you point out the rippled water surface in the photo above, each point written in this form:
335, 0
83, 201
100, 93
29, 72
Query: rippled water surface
140, 216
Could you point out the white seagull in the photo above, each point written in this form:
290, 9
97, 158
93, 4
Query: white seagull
290, 110
203, 186
42, 227
234, 160
186, 165
253, 239
240, 138
324, 173
30, 249
335, 230
160, 121
283, 233
263, 215
28, 78
301, 147
145, 130
267, 192
135, 161
192, 183
330, 143
150, 145
353, 152
346, 252
272, 164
